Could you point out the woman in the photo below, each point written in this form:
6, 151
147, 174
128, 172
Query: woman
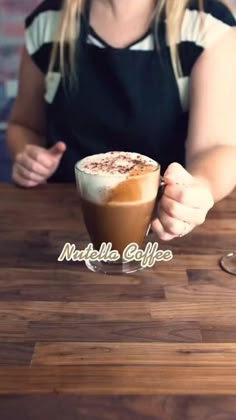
153, 76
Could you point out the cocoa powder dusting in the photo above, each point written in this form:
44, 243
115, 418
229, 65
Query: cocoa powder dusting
119, 163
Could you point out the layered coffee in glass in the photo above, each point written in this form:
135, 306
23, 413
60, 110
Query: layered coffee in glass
118, 192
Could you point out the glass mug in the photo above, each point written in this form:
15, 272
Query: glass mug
117, 208
228, 263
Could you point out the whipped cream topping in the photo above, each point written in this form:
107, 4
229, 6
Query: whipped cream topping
115, 163
98, 175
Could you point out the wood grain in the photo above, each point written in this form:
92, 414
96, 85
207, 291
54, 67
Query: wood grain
19, 354
56, 290
13, 331
160, 343
121, 380
59, 312
217, 312
158, 354
141, 331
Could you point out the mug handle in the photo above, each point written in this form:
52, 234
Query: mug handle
161, 190
160, 193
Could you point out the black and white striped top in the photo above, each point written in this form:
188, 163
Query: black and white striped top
126, 98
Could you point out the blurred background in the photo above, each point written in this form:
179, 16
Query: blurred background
12, 14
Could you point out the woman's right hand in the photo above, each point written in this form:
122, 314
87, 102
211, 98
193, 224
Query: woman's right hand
35, 164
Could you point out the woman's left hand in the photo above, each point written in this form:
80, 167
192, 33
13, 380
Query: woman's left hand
184, 204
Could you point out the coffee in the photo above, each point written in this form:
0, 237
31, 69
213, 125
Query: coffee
118, 191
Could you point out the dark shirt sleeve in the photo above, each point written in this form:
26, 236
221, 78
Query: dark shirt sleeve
41, 29
201, 31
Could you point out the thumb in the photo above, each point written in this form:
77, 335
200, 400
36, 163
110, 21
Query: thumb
57, 150
176, 174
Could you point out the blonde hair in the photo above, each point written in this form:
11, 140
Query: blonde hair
69, 29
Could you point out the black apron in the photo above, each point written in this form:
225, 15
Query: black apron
124, 100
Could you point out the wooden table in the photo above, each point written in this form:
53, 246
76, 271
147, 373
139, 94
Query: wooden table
157, 344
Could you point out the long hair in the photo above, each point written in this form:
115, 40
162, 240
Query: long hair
69, 29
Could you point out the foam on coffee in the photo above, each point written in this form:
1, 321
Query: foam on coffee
117, 163
113, 176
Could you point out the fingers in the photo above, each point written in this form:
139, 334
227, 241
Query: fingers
58, 149
172, 225
39, 155
159, 230
46, 157
35, 164
32, 165
185, 189
180, 212
19, 178
168, 228
193, 196
30, 175
184, 204
176, 174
